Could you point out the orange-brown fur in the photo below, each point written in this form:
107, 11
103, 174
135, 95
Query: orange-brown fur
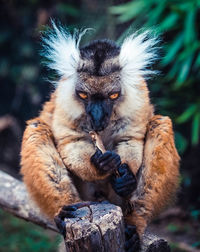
43, 171
51, 144
160, 175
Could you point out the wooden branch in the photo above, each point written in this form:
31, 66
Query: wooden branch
14, 199
153, 243
97, 227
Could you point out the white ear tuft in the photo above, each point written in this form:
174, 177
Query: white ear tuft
61, 50
137, 53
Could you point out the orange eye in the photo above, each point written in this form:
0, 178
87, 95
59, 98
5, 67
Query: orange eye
82, 95
114, 96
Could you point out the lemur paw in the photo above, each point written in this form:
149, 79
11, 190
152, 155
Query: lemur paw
68, 211
106, 162
126, 183
132, 240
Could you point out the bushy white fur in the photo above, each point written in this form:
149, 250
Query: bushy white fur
66, 101
137, 53
61, 49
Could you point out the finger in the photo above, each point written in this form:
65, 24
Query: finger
127, 184
123, 180
66, 214
111, 161
123, 169
105, 163
110, 166
96, 155
98, 152
69, 208
115, 161
106, 155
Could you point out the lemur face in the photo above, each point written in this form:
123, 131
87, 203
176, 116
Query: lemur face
99, 101
102, 80
98, 85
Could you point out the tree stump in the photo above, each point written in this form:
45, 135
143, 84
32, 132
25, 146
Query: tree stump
100, 228
97, 227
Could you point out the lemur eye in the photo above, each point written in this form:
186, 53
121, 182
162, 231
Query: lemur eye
82, 95
114, 96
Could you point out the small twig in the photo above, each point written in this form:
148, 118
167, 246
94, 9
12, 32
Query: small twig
99, 144
97, 141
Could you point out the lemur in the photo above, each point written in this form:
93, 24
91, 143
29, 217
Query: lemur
102, 88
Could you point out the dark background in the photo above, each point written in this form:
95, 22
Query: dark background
176, 93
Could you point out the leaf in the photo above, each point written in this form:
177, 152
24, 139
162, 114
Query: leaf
190, 32
157, 12
195, 129
181, 142
184, 71
168, 22
187, 114
187, 181
195, 214
172, 50
189, 50
172, 228
68, 9
196, 244
174, 70
131, 12
119, 9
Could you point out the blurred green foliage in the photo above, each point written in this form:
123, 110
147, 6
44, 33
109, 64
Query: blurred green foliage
22, 76
177, 90
20, 236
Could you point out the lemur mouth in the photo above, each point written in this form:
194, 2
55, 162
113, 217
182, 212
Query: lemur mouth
98, 128
100, 125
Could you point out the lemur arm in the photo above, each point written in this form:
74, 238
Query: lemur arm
44, 173
77, 153
131, 153
159, 178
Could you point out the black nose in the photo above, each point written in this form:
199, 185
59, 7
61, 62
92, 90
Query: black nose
98, 116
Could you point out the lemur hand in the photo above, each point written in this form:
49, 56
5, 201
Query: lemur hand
126, 183
106, 162
69, 211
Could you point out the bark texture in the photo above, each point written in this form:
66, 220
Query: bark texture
15, 199
96, 228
